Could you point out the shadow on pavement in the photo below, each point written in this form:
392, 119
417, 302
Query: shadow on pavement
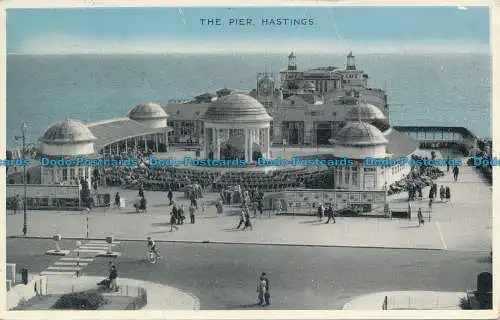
160, 224
231, 229
410, 227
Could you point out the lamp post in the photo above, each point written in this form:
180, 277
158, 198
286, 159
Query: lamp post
25, 202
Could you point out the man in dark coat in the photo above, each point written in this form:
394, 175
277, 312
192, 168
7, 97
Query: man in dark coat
170, 195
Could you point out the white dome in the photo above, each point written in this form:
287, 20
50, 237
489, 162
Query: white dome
147, 111
67, 132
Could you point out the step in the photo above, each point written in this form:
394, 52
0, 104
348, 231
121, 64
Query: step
100, 242
67, 268
92, 251
70, 263
77, 259
92, 248
57, 273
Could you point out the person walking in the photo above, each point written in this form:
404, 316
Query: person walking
175, 212
455, 173
435, 186
117, 200
181, 214
321, 211
267, 294
260, 207
173, 220
330, 214
242, 219
191, 214
420, 217
248, 222
113, 275
442, 193
170, 195
448, 194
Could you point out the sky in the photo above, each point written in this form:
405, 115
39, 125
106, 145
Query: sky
179, 30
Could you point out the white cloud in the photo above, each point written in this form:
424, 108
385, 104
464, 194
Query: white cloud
64, 44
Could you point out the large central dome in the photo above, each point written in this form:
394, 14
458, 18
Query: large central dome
236, 108
364, 112
359, 134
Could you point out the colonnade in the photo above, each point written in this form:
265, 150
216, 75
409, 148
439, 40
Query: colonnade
215, 136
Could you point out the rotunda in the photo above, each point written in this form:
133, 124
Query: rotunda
63, 140
237, 115
359, 141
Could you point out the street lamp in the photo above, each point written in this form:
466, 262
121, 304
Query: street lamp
25, 202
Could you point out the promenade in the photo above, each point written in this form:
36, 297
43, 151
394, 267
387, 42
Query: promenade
462, 224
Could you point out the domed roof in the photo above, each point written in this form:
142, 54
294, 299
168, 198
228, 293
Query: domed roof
66, 132
236, 107
359, 134
365, 111
147, 111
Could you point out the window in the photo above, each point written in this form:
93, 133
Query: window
314, 113
347, 176
65, 174
369, 169
355, 177
72, 173
334, 114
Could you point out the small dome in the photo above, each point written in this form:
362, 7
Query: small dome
66, 132
364, 112
359, 134
236, 107
147, 111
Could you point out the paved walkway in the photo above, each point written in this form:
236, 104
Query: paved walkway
407, 300
160, 297
462, 224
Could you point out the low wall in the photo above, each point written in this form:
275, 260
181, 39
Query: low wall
21, 292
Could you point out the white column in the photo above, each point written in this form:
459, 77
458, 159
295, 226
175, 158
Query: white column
212, 144
126, 145
207, 147
156, 142
145, 143
117, 148
217, 144
265, 152
246, 145
250, 145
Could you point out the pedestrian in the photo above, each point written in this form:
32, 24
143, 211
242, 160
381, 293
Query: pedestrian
430, 205
420, 217
175, 211
113, 275
181, 214
435, 186
260, 207
170, 195
441, 193
191, 214
448, 165
242, 219
431, 193
330, 214
455, 173
117, 200
267, 293
248, 222
320, 212
173, 219
448, 194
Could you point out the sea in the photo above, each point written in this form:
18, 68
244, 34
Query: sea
423, 89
